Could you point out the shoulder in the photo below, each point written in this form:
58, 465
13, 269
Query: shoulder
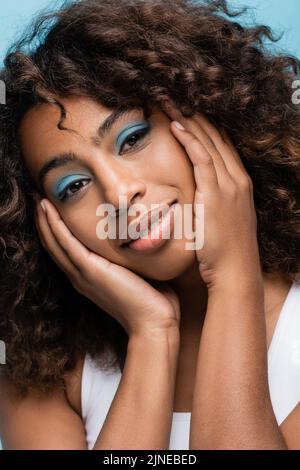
9, 396
10, 399
72, 381
54, 417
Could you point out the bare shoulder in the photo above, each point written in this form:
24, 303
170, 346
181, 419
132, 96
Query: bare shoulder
55, 421
73, 384
290, 429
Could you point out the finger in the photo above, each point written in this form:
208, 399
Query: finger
194, 126
229, 142
51, 245
204, 167
85, 260
81, 257
224, 145
37, 224
76, 252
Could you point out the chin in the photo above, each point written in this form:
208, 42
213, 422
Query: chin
165, 264
168, 265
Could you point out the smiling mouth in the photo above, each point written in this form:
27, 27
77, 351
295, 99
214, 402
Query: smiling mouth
158, 231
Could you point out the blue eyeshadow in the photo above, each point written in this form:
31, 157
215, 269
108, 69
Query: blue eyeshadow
133, 127
60, 186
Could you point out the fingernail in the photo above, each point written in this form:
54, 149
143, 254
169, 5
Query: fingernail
43, 206
178, 125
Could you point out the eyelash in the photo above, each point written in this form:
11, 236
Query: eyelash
142, 133
64, 194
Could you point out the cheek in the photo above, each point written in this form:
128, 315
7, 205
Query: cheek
83, 225
174, 165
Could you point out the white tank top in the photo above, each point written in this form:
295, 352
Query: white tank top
98, 387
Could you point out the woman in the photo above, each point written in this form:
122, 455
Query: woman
74, 304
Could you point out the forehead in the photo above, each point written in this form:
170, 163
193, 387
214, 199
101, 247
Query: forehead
39, 125
41, 138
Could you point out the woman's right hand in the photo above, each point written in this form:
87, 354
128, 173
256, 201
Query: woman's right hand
140, 307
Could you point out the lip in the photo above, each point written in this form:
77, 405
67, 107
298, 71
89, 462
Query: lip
145, 218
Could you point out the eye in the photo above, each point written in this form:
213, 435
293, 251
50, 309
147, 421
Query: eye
135, 138
75, 187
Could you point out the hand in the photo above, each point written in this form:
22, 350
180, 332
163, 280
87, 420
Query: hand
225, 188
138, 306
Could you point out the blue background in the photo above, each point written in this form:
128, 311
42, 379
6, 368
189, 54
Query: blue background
282, 17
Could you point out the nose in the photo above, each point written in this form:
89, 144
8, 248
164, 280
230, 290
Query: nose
119, 185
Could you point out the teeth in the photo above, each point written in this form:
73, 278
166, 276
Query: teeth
154, 224
145, 232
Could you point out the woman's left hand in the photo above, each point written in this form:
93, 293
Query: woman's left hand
230, 245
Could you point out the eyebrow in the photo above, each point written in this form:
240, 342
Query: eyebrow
57, 161
112, 119
63, 159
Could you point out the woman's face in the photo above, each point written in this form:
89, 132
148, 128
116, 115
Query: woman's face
138, 159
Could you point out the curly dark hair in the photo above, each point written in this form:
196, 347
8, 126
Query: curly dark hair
139, 53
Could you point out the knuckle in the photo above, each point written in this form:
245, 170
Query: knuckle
232, 189
86, 274
206, 159
76, 284
192, 143
219, 164
246, 183
194, 146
